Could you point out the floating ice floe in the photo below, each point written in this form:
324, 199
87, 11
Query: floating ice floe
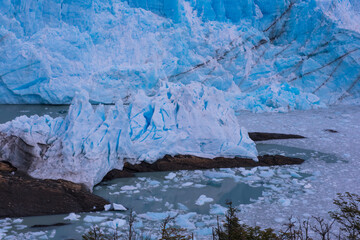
203, 199
285, 202
170, 176
217, 209
94, 219
114, 224
184, 222
107, 207
18, 220
157, 216
187, 184
128, 188
72, 217
119, 207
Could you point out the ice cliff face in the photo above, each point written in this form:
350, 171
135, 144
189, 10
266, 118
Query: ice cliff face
345, 13
88, 143
269, 55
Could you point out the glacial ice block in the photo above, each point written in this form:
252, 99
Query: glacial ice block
86, 144
186, 119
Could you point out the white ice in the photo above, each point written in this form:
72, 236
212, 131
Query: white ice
72, 217
119, 207
86, 144
94, 219
203, 199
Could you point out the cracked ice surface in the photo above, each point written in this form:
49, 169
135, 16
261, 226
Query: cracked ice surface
278, 56
331, 178
87, 143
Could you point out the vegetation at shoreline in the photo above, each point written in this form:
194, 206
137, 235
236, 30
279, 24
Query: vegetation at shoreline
344, 224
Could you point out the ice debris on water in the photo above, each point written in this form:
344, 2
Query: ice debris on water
114, 224
267, 174
18, 220
157, 216
170, 176
128, 188
94, 219
72, 217
203, 199
119, 207
274, 189
285, 202
107, 207
183, 220
217, 209
182, 207
187, 184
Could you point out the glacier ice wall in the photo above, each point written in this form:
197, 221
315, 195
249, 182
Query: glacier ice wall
345, 13
267, 55
88, 143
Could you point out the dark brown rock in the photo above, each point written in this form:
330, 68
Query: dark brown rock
278, 160
22, 195
188, 162
330, 130
6, 167
115, 173
49, 225
260, 136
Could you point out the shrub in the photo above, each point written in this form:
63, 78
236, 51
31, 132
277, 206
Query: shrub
348, 214
95, 233
172, 233
233, 230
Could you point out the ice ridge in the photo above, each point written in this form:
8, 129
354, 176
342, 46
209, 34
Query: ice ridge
87, 143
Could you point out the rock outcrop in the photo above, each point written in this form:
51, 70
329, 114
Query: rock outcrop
262, 136
188, 162
22, 195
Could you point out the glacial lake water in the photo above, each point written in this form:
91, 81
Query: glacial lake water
9, 112
153, 196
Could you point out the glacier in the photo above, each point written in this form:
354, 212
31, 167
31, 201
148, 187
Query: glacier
167, 77
275, 55
85, 145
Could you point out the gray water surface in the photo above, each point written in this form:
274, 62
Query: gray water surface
10, 112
